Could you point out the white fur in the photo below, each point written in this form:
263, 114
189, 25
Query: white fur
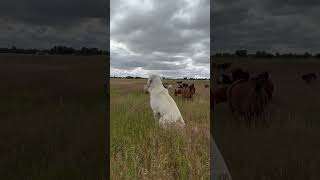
162, 103
145, 89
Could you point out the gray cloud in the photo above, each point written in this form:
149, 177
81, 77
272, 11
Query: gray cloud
44, 23
160, 35
276, 26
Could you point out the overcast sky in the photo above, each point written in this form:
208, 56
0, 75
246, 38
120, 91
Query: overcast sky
45, 23
168, 37
272, 25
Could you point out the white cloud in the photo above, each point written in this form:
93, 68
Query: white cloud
169, 37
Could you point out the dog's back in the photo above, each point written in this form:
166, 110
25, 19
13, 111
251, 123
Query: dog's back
163, 102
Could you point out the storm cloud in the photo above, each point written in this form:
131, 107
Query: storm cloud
275, 26
45, 23
171, 38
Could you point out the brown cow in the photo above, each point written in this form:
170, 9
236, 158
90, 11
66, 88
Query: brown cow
250, 98
238, 74
186, 92
269, 87
177, 91
206, 85
224, 79
192, 88
220, 94
224, 66
309, 77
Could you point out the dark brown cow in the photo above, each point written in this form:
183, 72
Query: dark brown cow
192, 88
238, 74
206, 85
250, 98
178, 91
221, 94
224, 66
185, 90
185, 85
213, 65
224, 79
309, 77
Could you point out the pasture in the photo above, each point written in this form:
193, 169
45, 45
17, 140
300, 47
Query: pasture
288, 148
53, 117
140, 149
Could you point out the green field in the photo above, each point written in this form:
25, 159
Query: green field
140, 149
289, 148
53, 117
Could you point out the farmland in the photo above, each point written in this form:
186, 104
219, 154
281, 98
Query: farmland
288, 148
140, 149
53, 117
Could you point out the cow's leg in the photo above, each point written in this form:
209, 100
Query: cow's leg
248, 119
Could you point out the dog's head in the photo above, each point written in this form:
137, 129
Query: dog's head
154, 81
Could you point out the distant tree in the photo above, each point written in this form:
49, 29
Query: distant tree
226, 54
241, 53
218, 55
263, 54
307, 54
62, 50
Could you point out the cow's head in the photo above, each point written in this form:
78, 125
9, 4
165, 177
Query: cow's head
262, 80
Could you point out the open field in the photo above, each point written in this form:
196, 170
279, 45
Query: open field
289, 148
53, 117
142, 150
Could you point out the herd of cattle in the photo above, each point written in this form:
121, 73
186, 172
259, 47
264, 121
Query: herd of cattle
246, 94
182, 89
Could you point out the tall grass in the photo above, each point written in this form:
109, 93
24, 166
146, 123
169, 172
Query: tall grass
53, 117
140, 149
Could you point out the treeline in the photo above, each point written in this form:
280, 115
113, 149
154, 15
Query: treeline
265, 54
137, 77
58, 50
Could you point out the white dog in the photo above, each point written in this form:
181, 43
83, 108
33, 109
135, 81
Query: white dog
162, 103
145, 89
